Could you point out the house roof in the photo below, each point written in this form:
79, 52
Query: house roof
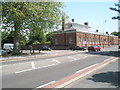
75, 27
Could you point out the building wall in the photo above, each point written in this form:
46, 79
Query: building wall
82, 39
71, 39
58, 39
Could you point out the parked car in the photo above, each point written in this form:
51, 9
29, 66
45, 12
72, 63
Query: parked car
94, 48
3, 52
77, 48
8, 47
44, 48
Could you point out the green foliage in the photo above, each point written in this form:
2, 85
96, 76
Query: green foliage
117, 9
115, 33
47, 42
33, 16
49, 36
7, 37
23, 40
36, 42
37, 35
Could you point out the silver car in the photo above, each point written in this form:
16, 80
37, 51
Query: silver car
3, 52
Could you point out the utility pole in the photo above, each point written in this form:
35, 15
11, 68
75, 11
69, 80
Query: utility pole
104, 26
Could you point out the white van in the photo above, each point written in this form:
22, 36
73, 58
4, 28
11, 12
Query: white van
8, 46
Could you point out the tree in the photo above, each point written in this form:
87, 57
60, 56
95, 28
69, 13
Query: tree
115, 33
117, 17
117, 10
7, 37
49, 36
37, 36
22, 15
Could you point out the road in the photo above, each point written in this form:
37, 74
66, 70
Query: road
37, 72
106, 77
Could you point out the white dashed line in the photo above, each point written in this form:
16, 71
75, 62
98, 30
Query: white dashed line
56, 60
34, 69
85, 56
33, 65
86, 68
46, 66
57, 51
45, 84
24, 71
72, 58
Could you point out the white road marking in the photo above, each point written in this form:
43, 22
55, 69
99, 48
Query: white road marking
93, 55
72, 57
86, 68
98, 63
107, 59
56, 60
46, 66
3, 66
33, 65
0, 66
34, 69
45, 84
24, 70
84, 74
112, 60
78, 58
73, 60
85, 56
15, 64
57, 51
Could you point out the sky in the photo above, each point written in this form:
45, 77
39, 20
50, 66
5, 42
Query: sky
95, 13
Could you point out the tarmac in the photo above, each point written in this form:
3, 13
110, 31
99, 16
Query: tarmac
42, 54
105, 77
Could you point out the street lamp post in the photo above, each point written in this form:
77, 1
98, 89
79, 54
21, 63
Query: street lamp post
108, 39
104, 26
103, 30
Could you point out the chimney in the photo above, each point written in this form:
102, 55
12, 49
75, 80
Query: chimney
86, 23
96, 30
63, 23
72, 20
106, 32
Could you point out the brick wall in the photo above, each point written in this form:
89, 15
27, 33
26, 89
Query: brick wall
79, 39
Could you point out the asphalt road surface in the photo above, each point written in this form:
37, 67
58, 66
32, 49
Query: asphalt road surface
106, 77
35, 73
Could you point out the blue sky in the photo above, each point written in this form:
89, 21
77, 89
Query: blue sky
95, 13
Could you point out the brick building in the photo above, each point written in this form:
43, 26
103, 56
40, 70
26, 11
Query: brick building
75, 34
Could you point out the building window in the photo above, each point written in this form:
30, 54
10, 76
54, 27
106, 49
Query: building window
68, 26
56, 41
70, 40
79, 40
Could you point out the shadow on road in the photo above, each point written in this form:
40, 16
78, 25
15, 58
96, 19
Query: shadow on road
106, 53
109, 77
